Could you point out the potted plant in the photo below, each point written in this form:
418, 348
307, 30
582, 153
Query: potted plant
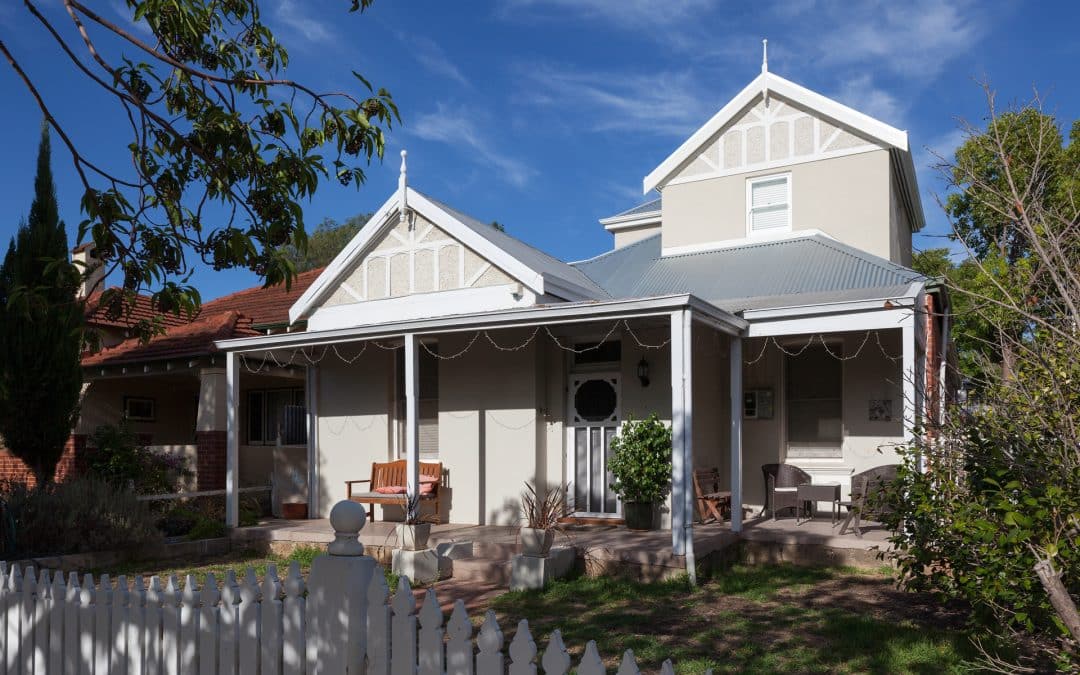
542, 514
412, 533
640, 464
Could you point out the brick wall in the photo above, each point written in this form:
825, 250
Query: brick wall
933, 364
73, 461
210, 464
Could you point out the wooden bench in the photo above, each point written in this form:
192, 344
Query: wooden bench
387, 486
711, 500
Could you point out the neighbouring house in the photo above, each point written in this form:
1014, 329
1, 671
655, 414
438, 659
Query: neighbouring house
760, 300
171, 390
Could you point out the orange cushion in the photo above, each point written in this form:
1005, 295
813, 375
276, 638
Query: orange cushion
391, 490
427, 487
427, 478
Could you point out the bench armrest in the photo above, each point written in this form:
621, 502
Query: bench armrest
350, 483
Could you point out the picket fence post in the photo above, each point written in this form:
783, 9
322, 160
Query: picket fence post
459, 649
270, 619
337, 597
432, 661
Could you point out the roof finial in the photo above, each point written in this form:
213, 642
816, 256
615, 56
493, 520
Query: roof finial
403, 185
764, 56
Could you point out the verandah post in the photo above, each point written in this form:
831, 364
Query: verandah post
412, 429
736, 368
232, 450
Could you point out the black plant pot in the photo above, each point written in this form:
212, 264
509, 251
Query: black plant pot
638, 515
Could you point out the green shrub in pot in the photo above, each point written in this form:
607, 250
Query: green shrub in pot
640, 465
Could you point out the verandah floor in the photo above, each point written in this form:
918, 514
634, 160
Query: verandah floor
644, 555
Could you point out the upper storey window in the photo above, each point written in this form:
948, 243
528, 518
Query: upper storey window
768, 204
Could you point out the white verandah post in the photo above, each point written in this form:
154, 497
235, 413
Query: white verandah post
682, 450
412, 428
736, 374
311, 390
232, 443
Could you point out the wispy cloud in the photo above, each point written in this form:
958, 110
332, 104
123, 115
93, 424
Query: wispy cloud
299, 19
663, 103
124, 12
914, 40
860, 92
433, 57
455, 126
631, 14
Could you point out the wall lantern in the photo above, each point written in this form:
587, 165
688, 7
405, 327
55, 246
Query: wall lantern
643, 372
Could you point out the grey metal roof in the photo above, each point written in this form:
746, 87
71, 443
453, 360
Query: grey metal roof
645, 208
530, 256
783, 273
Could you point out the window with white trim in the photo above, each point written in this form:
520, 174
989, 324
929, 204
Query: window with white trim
277, 417
768, 204
814, 402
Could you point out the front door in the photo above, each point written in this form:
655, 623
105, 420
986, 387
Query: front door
594, 420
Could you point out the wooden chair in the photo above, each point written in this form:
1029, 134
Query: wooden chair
387, 486
711, 500
866, 490
782, 483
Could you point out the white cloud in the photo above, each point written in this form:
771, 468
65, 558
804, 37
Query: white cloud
861, 93
456, 127
298, 19
914, 40
125, 12
632, 14
663, 103
430, 55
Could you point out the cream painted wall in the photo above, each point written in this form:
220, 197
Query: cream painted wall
354, 430
625, 237
176, 401
846, 197
866, 443
489, 439
900, 225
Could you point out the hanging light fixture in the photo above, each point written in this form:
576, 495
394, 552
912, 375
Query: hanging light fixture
643, 372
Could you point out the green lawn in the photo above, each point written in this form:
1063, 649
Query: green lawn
749, 619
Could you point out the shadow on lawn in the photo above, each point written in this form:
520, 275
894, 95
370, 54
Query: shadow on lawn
746, 619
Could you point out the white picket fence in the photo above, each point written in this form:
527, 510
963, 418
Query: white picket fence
330, 623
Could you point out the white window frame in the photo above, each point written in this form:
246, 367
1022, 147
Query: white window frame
750, 183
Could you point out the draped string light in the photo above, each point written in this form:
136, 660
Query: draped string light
821, 339
301, 356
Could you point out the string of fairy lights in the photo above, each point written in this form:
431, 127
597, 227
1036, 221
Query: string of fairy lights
312, 356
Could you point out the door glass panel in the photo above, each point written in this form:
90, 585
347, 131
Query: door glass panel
595, 401
609, 496
581, 464
596, 466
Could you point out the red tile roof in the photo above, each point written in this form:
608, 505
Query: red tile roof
192, 339
227, 317
96, 313
265, 305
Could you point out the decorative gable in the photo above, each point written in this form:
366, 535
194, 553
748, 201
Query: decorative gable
415, 257
771, 135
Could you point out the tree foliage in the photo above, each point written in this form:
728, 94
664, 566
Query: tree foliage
223, 146
1001, 492
325, 242
40, 333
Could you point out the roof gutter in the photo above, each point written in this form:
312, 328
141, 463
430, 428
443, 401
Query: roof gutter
525, 317
895, 302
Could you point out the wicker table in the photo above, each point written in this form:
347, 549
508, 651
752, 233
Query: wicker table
818, 492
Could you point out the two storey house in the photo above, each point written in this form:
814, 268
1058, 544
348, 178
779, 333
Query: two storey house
760, 300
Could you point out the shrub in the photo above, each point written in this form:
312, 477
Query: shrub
80, 515
640, 460
120, 459
543, 511
207, 528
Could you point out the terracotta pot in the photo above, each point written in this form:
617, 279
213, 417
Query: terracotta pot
536, 542
413, 537
638, 515
294, 510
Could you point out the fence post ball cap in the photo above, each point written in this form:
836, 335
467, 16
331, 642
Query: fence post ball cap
347, 518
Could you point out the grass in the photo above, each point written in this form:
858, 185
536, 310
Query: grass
745, 619
237, 562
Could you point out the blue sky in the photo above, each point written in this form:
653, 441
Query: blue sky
546, 114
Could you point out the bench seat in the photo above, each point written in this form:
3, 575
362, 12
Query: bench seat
391, 474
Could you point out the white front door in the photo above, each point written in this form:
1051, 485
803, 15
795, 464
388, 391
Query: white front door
593, 413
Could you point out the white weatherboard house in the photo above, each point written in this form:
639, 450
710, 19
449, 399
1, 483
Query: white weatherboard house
762, 304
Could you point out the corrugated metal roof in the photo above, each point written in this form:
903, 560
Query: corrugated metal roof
533, 258
651, 206
790, 272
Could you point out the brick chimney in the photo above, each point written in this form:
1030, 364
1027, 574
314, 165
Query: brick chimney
93, 272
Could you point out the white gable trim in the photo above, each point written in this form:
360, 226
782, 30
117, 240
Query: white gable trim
382, 221
768, 82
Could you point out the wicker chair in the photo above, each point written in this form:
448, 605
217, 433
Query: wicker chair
781, 487
864, 502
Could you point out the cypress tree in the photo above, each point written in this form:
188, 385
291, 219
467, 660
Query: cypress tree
41, 323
